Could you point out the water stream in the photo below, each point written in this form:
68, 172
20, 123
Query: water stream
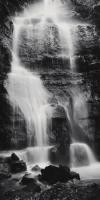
28, 94
26, 91
25, 88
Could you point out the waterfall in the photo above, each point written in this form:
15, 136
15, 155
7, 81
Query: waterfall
59, 13
81, 154
25, 89
29, 97
77, 106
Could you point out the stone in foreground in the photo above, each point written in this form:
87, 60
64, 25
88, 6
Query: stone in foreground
31, 183
53, 174
16, 165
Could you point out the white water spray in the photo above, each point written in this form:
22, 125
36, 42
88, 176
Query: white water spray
27, 94
81, 154
25, 89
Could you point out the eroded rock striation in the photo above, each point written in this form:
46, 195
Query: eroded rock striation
54, 71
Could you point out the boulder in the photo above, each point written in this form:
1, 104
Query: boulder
53, 174
74, 175
4, 170
14, 157
31, 183
36, 168
18, 166
27, 180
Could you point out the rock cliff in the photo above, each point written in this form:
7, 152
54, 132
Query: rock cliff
55, 73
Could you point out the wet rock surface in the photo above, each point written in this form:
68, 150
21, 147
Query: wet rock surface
53, 174
60, 137
71, 191
60, 83
36, 168
16, 165
85, 9
4, 175
56, 80
60, 191
12, 164
63, 185
30, 183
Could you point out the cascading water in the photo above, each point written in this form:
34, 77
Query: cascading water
81, 154
56, 11
27, 94
79, 107
25, 88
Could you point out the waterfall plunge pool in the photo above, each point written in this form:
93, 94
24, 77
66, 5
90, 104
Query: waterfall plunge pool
89, 172
30, 154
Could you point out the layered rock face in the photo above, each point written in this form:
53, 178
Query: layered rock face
88, 61
9, 137
55, 72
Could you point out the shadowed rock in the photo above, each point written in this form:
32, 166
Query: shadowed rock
16, 165
60, 137
53, 174
30, 183
36, 168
